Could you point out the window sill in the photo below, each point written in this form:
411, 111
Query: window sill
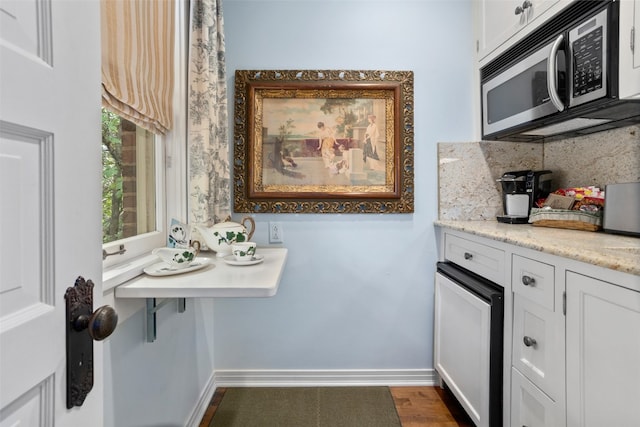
119, 274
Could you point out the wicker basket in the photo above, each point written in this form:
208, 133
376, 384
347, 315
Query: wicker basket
561, 218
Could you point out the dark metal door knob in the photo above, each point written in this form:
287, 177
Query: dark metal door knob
100, 324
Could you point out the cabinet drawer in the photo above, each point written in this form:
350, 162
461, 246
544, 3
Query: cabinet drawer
484, 260
536, 347
529, 405
534, 280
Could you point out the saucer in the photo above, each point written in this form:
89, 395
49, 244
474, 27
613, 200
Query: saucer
164, 269
231, 260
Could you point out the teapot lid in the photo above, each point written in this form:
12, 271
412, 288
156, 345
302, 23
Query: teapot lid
227, 223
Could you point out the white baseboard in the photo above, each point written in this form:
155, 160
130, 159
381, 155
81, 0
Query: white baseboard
202, 403
312, 378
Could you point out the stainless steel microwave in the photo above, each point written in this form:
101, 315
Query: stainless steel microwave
560, 81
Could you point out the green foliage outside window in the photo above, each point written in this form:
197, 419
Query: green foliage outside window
112, 206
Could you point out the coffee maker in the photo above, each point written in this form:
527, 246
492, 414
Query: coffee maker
520, 190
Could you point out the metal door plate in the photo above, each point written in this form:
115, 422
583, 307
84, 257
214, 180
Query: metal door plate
79, 302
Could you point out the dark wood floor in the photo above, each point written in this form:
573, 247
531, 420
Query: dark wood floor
429, 406
416, 406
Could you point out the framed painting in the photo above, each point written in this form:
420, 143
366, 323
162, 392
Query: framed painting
323, 141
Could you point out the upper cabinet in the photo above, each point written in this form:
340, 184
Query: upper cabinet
629, 81
501, 23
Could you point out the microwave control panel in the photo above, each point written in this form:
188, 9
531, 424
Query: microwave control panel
587, 63
588, 47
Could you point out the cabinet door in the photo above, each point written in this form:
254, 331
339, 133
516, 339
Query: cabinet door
498, 20
603, 353
630, 49
461, 346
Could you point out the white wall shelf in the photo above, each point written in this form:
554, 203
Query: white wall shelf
217, 280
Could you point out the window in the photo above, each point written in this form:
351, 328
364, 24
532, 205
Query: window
128, 179
133, 206
138, 198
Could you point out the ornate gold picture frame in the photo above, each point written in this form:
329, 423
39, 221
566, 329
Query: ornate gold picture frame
323, 141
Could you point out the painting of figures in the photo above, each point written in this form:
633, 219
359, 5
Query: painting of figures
307, 143
324, 142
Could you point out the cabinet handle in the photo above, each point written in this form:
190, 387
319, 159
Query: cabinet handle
529, 342
467, 255
528, 281
525, 5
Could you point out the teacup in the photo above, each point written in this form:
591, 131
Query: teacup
176, 257
243, 251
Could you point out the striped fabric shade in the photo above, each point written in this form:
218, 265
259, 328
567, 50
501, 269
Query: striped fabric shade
137, 61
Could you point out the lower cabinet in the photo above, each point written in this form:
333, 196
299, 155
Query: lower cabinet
572, 336
529, 405
538, 325
603, 353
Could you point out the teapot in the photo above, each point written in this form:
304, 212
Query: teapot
220, 236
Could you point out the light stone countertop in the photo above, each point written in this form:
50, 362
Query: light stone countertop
616, 252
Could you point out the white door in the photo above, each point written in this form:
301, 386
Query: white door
603, 350
50, 206
462, 345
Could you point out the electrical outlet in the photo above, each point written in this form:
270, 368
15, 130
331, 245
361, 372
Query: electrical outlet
275, 232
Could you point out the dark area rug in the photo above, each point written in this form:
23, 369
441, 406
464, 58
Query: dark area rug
306, 407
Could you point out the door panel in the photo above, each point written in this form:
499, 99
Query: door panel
49, 201
462, 346
603, 351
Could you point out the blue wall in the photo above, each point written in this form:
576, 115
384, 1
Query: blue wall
357, 289
157, 384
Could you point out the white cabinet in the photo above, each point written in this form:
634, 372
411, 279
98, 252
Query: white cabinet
603, 353
537, 344
530, 406
477, 257
571, 328
499, 21
462, 322
629, 49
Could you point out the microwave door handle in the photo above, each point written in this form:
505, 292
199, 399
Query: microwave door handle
552, 74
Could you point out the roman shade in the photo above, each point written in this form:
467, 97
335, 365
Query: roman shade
137, 61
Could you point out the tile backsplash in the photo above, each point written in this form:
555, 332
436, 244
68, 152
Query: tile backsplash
467, 171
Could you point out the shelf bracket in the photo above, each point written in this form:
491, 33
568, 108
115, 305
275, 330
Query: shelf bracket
152, 308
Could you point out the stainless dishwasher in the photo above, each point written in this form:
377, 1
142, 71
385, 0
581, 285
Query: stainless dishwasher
468, 341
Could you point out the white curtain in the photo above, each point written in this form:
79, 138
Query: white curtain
209, 169
137, 61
